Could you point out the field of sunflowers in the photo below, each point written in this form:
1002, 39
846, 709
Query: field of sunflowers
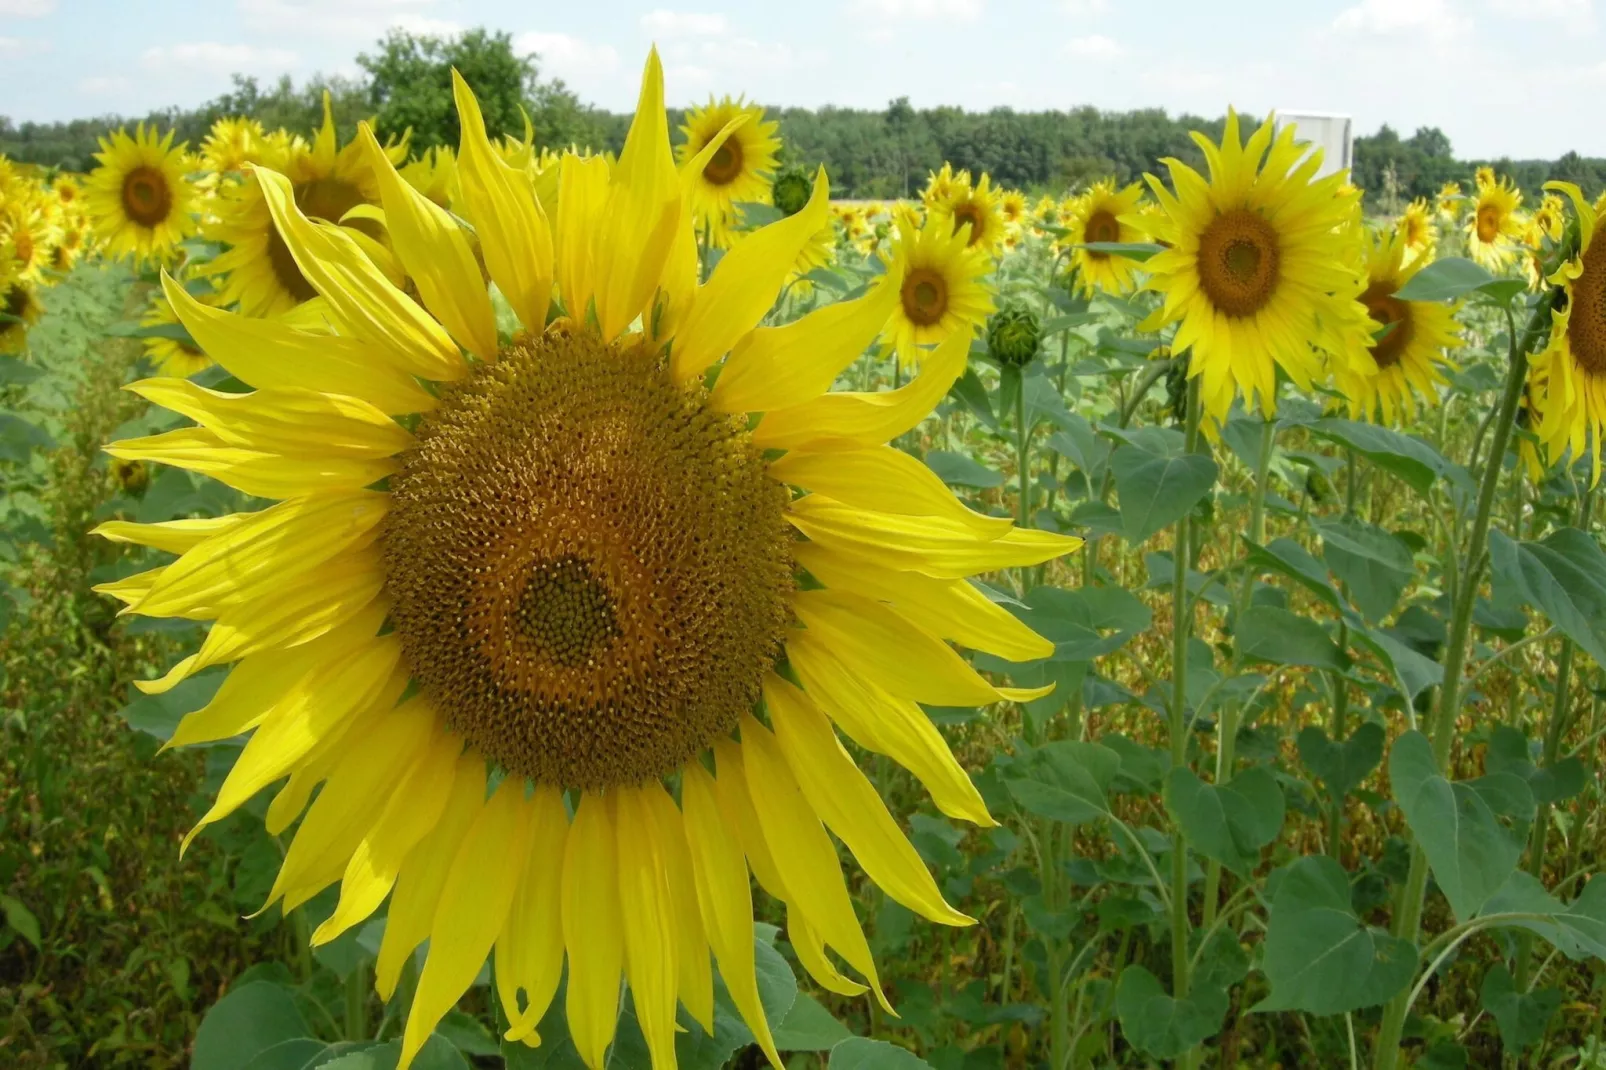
499, 607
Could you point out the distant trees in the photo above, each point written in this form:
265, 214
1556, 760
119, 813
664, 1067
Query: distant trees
888, 153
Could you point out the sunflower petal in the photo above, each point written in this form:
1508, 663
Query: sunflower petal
647, 919
884, 479
529, 953
592, 928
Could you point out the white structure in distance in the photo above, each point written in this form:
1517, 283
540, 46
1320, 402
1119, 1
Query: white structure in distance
1333, 134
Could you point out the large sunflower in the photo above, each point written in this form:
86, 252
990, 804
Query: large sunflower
579, 581
1257, 268
940, 293
973, 210
1408, 337
139, 200
1493, 225
739, 169
327, 181
1569, 376
1097, 217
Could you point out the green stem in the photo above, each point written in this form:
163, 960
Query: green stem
1181, 620
1409, 918
1335, 679
357, 1002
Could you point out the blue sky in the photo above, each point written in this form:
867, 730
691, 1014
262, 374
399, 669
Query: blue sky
1502, 77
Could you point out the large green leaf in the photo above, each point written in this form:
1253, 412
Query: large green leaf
1155, 490
1154, 1022
1341, 766
1447, 278
1509, 753
1267, 633
159, 715
959, 470
1231, 822
1458, 824
1065, 781
19, 438
1374, 563
1406, 456
1577, 929
1085, 623
1082, 446
1563, 576
1319, 957
809, 1027
244, 1023
14, 372
1520, 1016
857, 1053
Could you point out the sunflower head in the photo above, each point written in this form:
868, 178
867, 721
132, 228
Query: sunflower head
1569, 376
232, 144
66, 189
1416, 228
791, 190
1012, 206
739, 167
941, 293
19, 301
174, 356
138, 199
973, 210
1014, 336
1104, 214
1494, 223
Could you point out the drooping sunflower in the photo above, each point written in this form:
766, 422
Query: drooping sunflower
581, 575
1417, 230
139, 200
974, 211
20, 303
174, 357
739, 169
1098, 218
1258, 266
941, 293
1569, 376
328, 181
1494, 226
233, 144
1408, 338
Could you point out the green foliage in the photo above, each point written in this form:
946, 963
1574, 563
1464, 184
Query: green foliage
410, 84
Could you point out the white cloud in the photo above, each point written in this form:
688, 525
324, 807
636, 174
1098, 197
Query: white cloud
962, 10
1084, 8
23, 46
362, 20
1434, 19
424, 26
103, 85
664, 23
212, 57
569, 58
27, 9
1564, 10
1094, 46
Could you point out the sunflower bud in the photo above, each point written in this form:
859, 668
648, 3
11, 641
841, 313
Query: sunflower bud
1013, 336
791, 190
131, 477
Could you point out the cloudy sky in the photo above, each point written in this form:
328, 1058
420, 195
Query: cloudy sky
1501, 77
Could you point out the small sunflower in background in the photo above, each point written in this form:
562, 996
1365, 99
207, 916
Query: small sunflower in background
942, 293
1407, 338
233, 144
1258, 268
26, 229
582, 575
941, 185
739, 169
1046, 212
1012, 206
1493, 225
18, 301
1417, 231
327, 180
1569, 375
176, 357
69, 194
1449, 202
1098, 217
139, 200
973, 210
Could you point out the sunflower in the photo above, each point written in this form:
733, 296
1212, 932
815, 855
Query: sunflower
942, 185
66, 189
1046, 212
1012, 206
1416, 228
19, 302
1549, 220
579, 580
1449, 201
738, 171
328, 181
1494, 225
27, 231
139, 199
1408, 338
1569, 376
941, 294
233, 144
175, 357
974, 211
1257, 266
1098, 217
65, 253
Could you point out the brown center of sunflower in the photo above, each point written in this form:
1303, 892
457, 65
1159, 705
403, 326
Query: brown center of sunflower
23, 245
1388, 311
147, 199
1586, 320
1101, 226
1488, 223
925, 296
327, 199
1239, 262
725, 166
590, 569
970, 214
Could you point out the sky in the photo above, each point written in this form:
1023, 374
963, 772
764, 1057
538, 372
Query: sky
1519, 78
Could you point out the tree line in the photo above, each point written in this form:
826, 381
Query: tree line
406, 85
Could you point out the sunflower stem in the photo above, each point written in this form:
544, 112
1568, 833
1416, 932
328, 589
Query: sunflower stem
1408, 919
1023, 460
1181, 618
357, 1002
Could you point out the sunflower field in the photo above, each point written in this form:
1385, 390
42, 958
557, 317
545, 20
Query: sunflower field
500, 607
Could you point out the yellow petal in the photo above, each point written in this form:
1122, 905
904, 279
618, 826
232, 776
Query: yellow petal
582, 190
892, 726
270, 354
883, 479
286, 421
849, 805
810, 950
695, 975
424, 873
683, 268
260, 473
803, 852
358, 291
745, 284
777, 367
529, 952
474, 903
172, 536
724, 899
647, 920
436, 254
500, 202
592, 928
737, 809
855, 420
